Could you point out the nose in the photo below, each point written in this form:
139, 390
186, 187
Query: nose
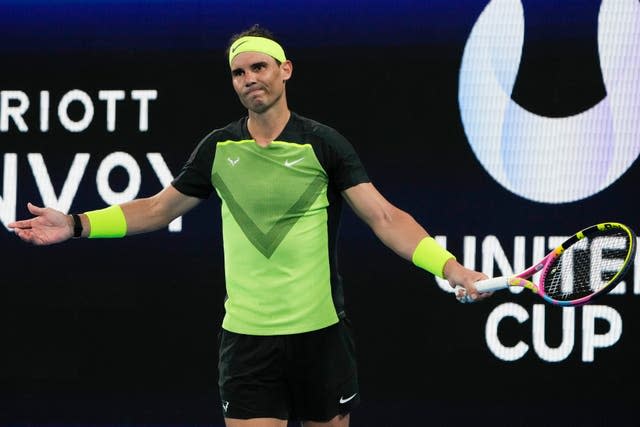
249, 78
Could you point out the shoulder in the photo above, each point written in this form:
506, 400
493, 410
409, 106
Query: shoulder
321, 136
315, 128
232, 131
334, 152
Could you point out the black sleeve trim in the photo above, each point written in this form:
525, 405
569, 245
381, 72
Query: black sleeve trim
338, 158
195, 177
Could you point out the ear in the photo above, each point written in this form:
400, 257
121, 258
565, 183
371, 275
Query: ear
286, 68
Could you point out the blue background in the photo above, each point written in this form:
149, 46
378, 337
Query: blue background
200, 25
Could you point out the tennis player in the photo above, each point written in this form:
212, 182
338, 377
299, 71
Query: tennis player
286, 344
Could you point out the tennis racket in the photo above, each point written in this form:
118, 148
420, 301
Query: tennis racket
589, 263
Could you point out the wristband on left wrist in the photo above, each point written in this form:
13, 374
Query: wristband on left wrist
430, 256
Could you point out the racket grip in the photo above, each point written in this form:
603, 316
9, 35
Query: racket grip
487, 285
494, 284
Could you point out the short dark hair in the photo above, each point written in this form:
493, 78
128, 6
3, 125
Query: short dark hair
256, 30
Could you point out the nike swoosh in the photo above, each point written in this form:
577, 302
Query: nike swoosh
237, 46
342, 400
288, 164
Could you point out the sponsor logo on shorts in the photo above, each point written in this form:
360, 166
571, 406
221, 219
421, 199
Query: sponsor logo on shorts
344, 400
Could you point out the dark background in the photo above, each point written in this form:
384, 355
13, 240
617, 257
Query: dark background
125, 331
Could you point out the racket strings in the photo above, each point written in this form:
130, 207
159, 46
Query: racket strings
588, 266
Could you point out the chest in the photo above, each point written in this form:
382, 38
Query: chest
270, 181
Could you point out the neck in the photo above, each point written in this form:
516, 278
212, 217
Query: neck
266, 126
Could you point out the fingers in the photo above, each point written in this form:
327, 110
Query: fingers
35, 210
34, 237
27, 223
473, 293
26, 235
24, 224
461, 295
466, 295
483, 295
48, 226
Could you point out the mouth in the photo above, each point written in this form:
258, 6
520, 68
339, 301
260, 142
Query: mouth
253, 91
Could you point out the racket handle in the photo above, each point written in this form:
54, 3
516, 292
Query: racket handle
494, 284
487, 285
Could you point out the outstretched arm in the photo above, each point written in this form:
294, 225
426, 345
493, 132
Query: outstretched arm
49, 226
401, 233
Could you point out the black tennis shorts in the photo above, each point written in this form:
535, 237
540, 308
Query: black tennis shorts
309, 377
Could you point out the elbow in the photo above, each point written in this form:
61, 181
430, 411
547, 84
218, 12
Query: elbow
387, 218
157, 213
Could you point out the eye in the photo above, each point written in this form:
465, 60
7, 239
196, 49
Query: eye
258, 67
237, 73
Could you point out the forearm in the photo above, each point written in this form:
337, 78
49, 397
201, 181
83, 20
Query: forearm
140, 216
399, 231
137, 216
145, 215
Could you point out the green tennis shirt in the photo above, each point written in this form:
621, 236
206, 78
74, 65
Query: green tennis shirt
280, 215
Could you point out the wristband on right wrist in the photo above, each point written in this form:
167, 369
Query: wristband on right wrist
430, 256
107, 223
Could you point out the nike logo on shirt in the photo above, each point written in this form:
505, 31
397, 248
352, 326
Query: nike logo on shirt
288, 163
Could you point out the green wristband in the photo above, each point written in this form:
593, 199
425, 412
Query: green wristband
430, 256
107, 223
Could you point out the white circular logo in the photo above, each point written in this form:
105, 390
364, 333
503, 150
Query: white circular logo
548, 159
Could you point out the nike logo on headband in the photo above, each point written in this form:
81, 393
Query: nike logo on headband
238, 45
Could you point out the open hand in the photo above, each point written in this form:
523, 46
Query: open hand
48, 226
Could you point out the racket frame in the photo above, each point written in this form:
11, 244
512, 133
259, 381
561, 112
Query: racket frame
541, 266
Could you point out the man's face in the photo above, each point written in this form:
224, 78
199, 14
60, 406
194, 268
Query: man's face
259, 80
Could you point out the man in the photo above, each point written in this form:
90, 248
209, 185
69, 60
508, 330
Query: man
286, 350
